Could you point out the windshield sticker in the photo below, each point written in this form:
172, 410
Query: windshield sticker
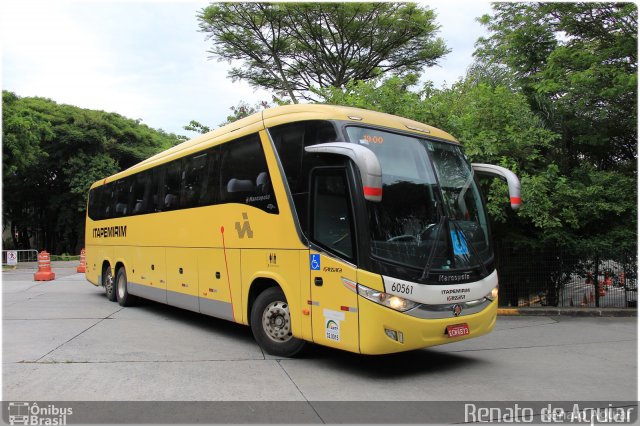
372, 139
459, 243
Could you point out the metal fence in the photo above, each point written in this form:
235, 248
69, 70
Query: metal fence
21, 256
559, 278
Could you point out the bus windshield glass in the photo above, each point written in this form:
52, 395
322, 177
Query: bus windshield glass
431, 217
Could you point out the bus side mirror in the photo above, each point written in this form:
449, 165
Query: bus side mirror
512, 180
365, 159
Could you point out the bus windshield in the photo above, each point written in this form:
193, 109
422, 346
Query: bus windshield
431, 217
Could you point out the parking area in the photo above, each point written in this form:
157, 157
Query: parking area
64, 341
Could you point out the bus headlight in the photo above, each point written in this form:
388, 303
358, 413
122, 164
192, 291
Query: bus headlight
493, 294
389, 300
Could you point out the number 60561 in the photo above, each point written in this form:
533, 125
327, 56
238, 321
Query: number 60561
402, 288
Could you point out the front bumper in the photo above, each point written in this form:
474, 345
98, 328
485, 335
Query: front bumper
416, 332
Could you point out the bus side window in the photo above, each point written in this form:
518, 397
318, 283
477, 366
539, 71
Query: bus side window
95, 205
244, 176
158, 193
194, 174
92, 205
121, 197
208, 194
290, 141
172, 182
109, 204
140, 193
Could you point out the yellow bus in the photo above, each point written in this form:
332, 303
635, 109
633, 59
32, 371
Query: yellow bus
344, 227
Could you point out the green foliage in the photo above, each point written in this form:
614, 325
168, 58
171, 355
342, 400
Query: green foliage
21, 135
296, 48
51, 155
391, 95
494, 124
582, 210
243, 110
576, 63
196, 126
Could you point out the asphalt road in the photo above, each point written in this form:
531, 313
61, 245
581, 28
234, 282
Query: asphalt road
64, 341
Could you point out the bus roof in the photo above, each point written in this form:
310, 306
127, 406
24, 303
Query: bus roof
280, 115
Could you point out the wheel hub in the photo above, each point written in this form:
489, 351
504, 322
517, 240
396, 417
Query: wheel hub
276, 322
108, 284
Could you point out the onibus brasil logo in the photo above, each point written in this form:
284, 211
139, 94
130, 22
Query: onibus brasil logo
26, 413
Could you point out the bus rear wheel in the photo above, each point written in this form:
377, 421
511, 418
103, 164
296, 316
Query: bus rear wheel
271, 324
122, 293
109, 286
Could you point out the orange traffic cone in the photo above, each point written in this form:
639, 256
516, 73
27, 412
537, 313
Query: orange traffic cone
44, 268
83, 262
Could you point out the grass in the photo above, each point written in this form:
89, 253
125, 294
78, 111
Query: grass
64, 257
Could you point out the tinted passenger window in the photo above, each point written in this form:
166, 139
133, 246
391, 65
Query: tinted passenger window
141, 193
244, 176
94, 203
172, 183
194, 180
290, 141
210, 180
120, 198
235, 172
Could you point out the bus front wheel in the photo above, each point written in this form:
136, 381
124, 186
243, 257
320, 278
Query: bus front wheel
271, 324
122, 294
107, 281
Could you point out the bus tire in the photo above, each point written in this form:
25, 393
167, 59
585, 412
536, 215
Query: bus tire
122, 294
109, 284
271, 324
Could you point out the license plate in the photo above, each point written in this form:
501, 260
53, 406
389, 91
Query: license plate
458, 330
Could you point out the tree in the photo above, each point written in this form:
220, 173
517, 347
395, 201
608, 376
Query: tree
52, 154
296, 48
577, 65
494, 124
585, 211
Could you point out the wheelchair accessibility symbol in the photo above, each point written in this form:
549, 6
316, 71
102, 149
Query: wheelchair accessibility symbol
315, 262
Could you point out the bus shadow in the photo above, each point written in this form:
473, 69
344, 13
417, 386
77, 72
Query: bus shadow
404, 364
390, 366
196, 320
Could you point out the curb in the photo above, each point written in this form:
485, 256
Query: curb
574, 312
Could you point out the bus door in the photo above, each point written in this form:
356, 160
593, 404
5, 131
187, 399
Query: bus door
334, 302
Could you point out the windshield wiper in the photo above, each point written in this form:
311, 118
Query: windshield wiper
441, 224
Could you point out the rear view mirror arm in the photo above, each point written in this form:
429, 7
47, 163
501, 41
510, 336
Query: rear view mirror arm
367, 162
512, 180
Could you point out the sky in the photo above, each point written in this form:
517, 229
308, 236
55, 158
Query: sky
147, 60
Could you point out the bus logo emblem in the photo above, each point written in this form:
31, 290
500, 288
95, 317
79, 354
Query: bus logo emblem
457, 310
245, 229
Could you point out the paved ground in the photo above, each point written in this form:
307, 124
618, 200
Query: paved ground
64, 341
